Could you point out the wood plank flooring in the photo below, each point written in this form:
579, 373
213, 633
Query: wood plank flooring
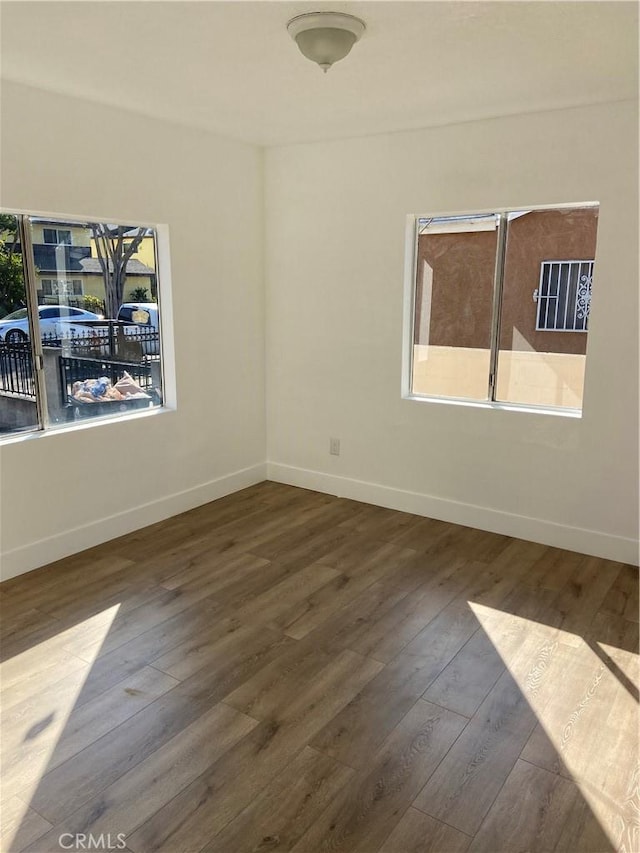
282, 670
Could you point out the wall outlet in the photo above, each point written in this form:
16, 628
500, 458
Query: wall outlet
334, 446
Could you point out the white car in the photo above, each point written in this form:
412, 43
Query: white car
56, 320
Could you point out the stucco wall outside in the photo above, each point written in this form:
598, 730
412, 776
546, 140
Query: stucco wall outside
455, 311
462, 270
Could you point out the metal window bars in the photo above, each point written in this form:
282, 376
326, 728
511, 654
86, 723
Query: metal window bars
564, 296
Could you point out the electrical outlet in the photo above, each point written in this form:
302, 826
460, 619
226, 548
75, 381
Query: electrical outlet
334, 446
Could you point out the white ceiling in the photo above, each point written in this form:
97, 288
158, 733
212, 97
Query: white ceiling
231, 67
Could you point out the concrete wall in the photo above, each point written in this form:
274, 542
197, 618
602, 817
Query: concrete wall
336, 227
533, 378
65, 491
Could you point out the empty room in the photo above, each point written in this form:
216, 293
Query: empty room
319, 426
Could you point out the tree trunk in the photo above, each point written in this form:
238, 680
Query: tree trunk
113, 259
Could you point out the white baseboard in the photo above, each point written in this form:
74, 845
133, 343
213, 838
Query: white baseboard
593, 542
43, 551
39, 553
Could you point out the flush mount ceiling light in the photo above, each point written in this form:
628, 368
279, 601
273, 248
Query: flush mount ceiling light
325, 37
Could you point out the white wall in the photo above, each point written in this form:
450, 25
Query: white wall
63, 492
335, 242
334, 263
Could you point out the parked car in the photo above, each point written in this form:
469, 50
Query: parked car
57, 320
142, 324
140, 313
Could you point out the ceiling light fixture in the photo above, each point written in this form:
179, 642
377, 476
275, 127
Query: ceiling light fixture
325, 37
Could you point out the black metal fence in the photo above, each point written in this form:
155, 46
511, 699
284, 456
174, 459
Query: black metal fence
74, 369
16, 369
110, 338
106, 350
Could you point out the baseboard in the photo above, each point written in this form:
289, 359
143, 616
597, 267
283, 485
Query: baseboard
43, 551
593, 542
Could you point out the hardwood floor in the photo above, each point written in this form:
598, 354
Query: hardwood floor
282, 670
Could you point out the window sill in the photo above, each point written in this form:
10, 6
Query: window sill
502, 407
84, 424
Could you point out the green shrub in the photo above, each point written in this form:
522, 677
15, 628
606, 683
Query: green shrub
139, 294
92, 303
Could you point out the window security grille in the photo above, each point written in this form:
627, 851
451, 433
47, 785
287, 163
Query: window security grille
564, 296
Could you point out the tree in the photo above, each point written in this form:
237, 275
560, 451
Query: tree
12, 291
114, 252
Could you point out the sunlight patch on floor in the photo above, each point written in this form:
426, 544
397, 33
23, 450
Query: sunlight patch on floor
587, 715
39, 689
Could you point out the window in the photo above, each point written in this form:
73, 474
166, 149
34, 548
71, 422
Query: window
564, 296
57, 236
61, 287
49, 313
64, 353
497, 301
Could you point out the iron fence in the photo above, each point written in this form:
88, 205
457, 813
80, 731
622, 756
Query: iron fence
110, 338
16, 370
104, 351
75, 369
